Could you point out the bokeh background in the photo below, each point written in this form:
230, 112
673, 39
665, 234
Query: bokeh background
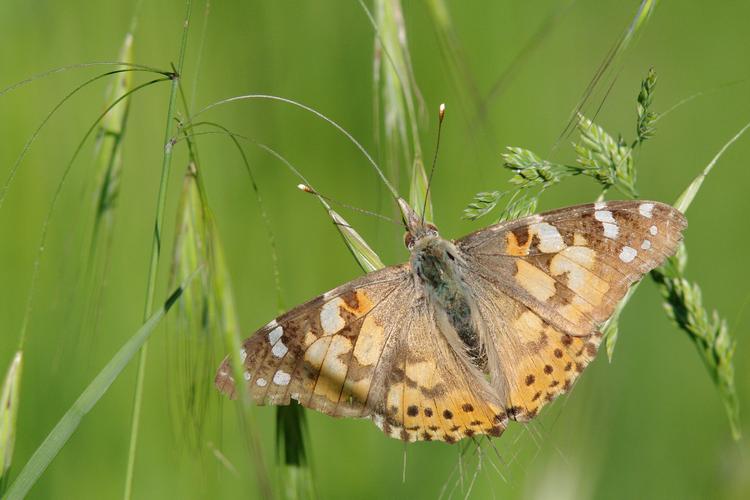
648, 425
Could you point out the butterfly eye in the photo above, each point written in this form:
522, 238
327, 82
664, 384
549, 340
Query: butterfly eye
408, 240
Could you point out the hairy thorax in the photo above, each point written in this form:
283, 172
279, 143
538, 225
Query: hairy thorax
437, 266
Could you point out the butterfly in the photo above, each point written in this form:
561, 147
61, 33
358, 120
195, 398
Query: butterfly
468, 334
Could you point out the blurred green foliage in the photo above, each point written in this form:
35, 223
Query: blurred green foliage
649, 425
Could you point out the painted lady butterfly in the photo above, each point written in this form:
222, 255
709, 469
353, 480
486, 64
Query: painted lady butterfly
468, 333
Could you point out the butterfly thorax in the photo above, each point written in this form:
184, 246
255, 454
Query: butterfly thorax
436, 264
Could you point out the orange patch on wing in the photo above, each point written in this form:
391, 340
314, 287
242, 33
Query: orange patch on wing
512, 247
541, 376
361, 304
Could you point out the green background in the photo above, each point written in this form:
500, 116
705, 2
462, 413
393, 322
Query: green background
648, 425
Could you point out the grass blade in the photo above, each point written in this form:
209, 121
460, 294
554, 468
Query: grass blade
686, 198
67, 425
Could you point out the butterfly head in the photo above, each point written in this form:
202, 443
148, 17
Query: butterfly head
416, 227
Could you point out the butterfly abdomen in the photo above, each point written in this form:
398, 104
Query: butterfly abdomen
435, 263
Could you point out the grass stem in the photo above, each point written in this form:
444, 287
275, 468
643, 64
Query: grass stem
155, 251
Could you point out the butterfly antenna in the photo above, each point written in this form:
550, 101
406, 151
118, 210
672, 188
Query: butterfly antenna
441, 116
307, 189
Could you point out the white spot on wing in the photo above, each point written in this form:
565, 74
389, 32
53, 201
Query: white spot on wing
275, 334
330, 319
550, 240
247, 375
281, 378
261, 382
599, 205
627, 254
279, 349
646, 245
271, 324
604, 216
611, 230
646, 209
243, 354
653, 230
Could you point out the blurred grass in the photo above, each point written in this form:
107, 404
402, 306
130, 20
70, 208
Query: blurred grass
649, 425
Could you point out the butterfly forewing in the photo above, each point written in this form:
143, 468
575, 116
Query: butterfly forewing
544, 284
310, 352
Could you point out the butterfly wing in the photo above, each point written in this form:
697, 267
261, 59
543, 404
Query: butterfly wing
369, 348
544, 284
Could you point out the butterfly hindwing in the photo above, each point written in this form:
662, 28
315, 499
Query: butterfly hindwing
545, 284
430, 392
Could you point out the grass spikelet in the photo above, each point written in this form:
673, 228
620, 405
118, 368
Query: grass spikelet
365, 256
108, 159
683, 303
607, 160
399, 97
108, 165
206, 309
9, 402
211, 308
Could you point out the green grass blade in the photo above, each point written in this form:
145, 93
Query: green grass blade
687, 196
291, 449
67, 425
